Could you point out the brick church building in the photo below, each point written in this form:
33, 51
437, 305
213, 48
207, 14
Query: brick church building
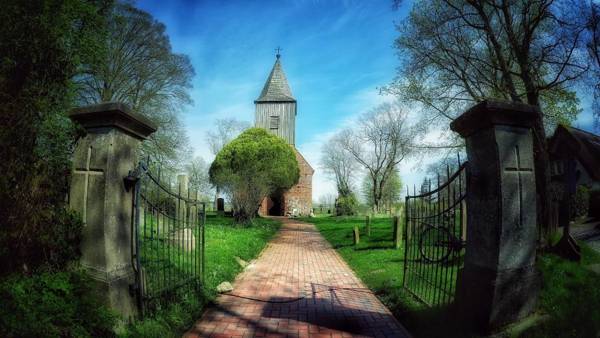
276, 112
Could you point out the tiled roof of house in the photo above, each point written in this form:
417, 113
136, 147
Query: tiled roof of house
584, 145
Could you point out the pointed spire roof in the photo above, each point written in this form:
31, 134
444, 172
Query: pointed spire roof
276, 88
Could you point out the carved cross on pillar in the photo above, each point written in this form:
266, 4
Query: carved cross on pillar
517, 169
87, 171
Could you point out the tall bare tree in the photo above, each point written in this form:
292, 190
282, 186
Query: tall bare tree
455, 53
225, 131
141, 70
197, 171
380, 141
327, 200
339, 164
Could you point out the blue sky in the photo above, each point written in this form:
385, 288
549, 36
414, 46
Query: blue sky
335, 55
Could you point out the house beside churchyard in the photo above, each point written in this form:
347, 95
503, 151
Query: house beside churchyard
584, 148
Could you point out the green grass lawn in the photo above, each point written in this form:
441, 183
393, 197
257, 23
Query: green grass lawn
570, 295
224, 242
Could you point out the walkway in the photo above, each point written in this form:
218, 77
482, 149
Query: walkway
298, 287
588, 232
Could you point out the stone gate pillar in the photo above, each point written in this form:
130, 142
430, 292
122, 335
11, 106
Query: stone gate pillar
499, 282
101, 161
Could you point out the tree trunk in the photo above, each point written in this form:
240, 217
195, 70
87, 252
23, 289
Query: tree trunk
542, 163
374, 190
542, 179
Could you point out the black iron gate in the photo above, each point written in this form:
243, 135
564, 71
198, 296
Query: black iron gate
435, 234
168, 232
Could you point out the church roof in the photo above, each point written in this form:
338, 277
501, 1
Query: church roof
276, 88
301, 158
584, 145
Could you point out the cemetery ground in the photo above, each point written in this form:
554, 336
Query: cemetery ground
568, 303
59, 303
226, 242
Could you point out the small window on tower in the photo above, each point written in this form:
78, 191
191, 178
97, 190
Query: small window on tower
274, 124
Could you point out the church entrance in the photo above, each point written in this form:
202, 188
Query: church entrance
277, 205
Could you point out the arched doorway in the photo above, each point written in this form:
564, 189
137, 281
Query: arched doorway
277, 205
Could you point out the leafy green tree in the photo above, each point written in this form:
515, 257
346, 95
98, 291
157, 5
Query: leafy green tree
455, 53
223, 132
391, 191
252, 166
591, 11
346, 205
381, 139
140, 69
43, 45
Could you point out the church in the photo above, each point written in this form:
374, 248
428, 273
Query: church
276, 110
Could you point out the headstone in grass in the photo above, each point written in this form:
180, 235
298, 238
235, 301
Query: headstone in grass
368, 225
180, 204
397, 232
220, 206
499, 283
184, 238
356, 235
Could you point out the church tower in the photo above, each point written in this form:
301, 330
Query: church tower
276, 107
276, 112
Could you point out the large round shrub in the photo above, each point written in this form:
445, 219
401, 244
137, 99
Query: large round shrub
251, 167
346, 205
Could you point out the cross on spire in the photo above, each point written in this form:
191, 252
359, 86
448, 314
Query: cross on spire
278, 50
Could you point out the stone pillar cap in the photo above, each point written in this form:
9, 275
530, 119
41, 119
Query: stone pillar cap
490, 112
113, 114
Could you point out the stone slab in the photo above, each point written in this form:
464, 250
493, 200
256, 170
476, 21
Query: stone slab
113, 114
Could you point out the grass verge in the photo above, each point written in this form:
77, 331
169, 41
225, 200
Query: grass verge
570, 296
224, 241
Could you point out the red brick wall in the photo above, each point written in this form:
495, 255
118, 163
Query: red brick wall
299, 197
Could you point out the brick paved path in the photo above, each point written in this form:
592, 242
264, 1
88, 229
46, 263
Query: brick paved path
298, 263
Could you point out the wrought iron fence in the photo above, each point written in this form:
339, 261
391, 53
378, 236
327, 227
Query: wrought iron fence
435, 234
168, 230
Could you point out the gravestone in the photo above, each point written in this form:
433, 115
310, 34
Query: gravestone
499, 283
397, 232
101, 161
183, 238
356, 235
220, 206
181, 208
194, 209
